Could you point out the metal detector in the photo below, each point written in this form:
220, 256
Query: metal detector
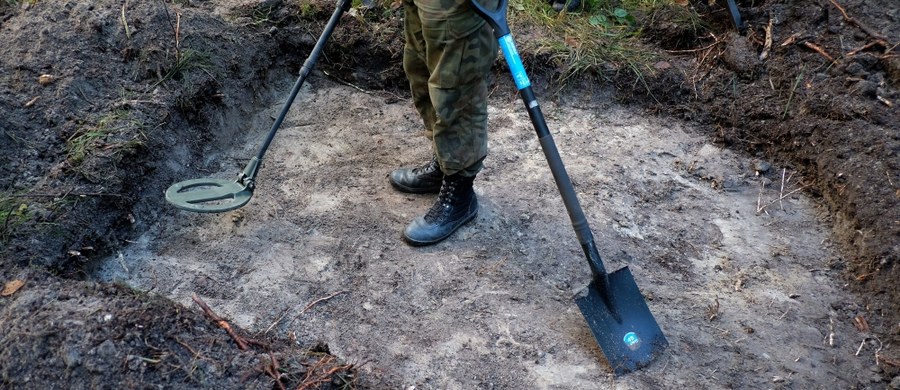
210, 195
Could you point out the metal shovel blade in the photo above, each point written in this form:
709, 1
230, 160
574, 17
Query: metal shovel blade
627, 333
208, 195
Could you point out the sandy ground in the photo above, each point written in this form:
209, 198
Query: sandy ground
747, 298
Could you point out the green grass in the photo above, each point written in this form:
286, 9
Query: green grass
262, 14
184, 61
601, 36
13, 212
110, 134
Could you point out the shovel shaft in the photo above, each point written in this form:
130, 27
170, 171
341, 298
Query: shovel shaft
343, 6
735, 15
563, 183
497, 20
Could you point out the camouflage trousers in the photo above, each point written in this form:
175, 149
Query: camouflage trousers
447, 58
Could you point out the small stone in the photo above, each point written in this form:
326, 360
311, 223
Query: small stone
762, 166
71, 356
856, 69
866, 88
107, 349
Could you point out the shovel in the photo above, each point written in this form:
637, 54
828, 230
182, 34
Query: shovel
613, 306
210, 195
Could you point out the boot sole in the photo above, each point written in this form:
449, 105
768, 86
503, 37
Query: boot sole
412, 242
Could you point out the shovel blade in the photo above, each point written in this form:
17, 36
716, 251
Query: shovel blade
208, 195
627, 333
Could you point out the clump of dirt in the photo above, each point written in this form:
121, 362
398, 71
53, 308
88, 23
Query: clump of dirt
813, 87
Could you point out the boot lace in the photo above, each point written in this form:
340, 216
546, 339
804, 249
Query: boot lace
439, 209
429, 167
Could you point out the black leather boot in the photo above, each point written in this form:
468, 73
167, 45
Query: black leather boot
421, 180
456, 205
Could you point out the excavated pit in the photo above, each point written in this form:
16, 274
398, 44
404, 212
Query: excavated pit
734, 263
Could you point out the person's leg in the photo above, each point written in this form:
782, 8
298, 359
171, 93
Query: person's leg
426, 178
460, 49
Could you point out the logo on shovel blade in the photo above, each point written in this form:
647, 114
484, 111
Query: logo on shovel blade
632, 340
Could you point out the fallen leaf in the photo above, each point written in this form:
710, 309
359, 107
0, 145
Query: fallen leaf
11, 287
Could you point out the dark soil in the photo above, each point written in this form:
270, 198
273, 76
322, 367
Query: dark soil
836, 120
74, 76
137, 89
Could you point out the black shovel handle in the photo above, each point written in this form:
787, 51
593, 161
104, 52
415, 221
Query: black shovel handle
249, 173
497, 20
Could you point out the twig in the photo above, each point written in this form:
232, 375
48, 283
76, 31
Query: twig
310, 382
272, 370
183, 344
818, 49
784, 314
242, 344
768, 44
125, 22
177, 37
869, 45
358, 88
791, 39
313, 303
858, 350
758, 209
283, 314
857, 23
885, 101
696, 50
762, 185
782, 189
347, 83
890, 49
787, 106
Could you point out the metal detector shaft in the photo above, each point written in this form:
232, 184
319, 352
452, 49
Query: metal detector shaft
249, 173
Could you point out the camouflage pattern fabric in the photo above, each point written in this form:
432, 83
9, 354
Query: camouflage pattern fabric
447, 58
